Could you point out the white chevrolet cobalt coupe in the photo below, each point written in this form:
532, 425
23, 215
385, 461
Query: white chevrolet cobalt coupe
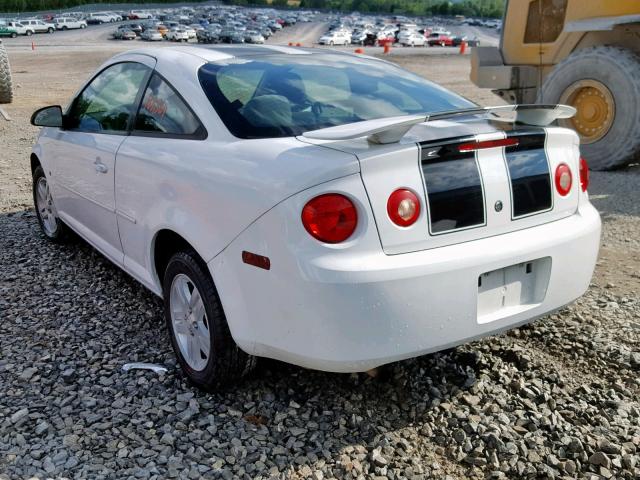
321, 208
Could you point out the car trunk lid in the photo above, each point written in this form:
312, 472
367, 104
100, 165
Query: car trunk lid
467, 193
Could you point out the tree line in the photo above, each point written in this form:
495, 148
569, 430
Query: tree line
469, 8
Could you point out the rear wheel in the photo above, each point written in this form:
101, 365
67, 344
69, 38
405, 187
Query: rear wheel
50, 223
197, 325
29, 33
50, 30
603, 84
14, 35
64, 27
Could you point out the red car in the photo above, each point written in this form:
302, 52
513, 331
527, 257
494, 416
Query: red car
440, 39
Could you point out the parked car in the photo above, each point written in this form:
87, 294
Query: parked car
135, 27
191, 32
232, 201
335, 38
19, 28
253, 37
208, 35
140, 15
124, 34
99, 18
38, 26
7, 31
414, 40
177, 34
69, 23
440, 39
151, 35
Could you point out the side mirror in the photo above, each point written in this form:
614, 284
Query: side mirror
47, 117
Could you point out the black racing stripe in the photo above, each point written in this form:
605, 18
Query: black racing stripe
529, 173
453, 184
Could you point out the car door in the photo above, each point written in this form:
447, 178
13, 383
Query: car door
84, 151
152, 168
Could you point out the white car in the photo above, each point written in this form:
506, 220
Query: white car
151, 35
20, 28
99, 18
335, 38
413, 40
191, 32
335, 228
69, 23
177, 34
38, 26
140, 15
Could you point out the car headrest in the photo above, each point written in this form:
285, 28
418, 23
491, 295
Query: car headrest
267, 111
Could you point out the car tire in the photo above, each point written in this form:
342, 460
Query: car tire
618, 71
83, 26
185, 276
50, 30
52, 227
6, 84
331, 43
29, 33
14, 35
64, 27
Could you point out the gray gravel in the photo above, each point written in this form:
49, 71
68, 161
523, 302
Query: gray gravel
555, 399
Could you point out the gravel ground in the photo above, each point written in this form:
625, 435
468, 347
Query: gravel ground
555, 399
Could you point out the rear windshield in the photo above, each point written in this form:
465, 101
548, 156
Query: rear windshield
286, 95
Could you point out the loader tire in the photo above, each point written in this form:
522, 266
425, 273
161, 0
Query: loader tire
603, 83
6, 87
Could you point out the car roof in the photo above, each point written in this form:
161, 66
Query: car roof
219, 53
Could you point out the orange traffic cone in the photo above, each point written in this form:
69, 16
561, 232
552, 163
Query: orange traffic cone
359, 50
33, 45
463, 48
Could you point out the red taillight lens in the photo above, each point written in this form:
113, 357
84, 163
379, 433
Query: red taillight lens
584, 174
403, 207
564, 180
331, 218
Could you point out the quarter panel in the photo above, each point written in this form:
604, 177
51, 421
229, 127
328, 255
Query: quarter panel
209, 192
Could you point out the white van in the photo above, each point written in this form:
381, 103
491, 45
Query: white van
69, 23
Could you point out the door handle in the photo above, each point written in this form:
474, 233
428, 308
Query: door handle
100, 167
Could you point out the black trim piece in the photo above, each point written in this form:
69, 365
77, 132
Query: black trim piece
529, 173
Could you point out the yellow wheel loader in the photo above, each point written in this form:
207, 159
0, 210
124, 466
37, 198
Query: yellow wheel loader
583, 53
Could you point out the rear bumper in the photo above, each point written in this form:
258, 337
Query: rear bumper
352, 311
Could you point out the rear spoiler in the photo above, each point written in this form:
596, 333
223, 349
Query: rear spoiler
392, 129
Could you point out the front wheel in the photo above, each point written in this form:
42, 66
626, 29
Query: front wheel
29, 33
50, 30
14, 35
50, 223
197, 325
331, 43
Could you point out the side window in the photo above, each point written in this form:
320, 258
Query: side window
545, 21
163, 111
108, 103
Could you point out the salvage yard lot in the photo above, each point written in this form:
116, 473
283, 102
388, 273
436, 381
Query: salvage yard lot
558, 398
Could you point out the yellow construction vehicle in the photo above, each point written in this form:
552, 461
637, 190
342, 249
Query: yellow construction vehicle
583, 53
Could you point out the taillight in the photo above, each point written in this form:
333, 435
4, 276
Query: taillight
564, 180
330, 218
584, 174
403, 207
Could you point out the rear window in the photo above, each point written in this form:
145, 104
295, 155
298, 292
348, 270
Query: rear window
286, 95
